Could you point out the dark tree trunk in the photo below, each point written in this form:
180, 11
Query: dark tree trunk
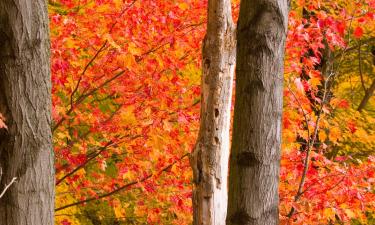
256, 143
366, 98
25, 101
370, 91
211, 154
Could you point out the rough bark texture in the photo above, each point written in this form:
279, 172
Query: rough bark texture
25, 101
256, 142
211, 154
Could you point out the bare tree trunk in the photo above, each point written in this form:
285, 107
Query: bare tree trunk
256, 142
25, 102
211, 154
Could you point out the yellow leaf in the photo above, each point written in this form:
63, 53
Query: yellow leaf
112, 42
64, 135
329, 213
127, 176
349, 213
126, 61
174, 169
314, 81
118, 209
133, 49
183, 6
69, 43
127, 116
160, 61
334, 134
322, 135
362, 134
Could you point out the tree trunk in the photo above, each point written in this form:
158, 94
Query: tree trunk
256, 142
210, 157
369, 92
366, 98
25, 102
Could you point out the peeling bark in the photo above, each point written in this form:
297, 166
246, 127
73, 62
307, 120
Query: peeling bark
210, 157
25, 101
256, 142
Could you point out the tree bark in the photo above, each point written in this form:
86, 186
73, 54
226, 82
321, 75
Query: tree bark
366, 98
370, 91
210, 157
25, 101
256, 142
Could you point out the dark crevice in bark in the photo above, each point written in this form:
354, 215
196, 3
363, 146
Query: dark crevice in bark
240, 218
247, 159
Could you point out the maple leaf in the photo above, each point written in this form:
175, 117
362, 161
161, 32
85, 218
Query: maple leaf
358, 32
352, 126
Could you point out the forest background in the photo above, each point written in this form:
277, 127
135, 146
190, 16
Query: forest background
126, 94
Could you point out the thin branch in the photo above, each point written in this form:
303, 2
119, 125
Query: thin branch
101, 149
309, 148
346, 50
303, 112
123, 187
92, 157
84, 71
321, 178
8, 186
83, 97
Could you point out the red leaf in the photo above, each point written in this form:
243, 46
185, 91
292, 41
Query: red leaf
341, 27
343, 104
358, 32
65, 222
352, 126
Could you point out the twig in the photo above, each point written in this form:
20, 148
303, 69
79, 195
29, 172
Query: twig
303, 112
8, 186
309, 148
92, 157
363, 42
84, 163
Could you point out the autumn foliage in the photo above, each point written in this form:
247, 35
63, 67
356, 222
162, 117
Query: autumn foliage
126, 94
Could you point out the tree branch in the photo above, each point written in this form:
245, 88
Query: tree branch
367, 96
360, 67
123, 187
309, 148
8, 185
364, 42
101, 149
